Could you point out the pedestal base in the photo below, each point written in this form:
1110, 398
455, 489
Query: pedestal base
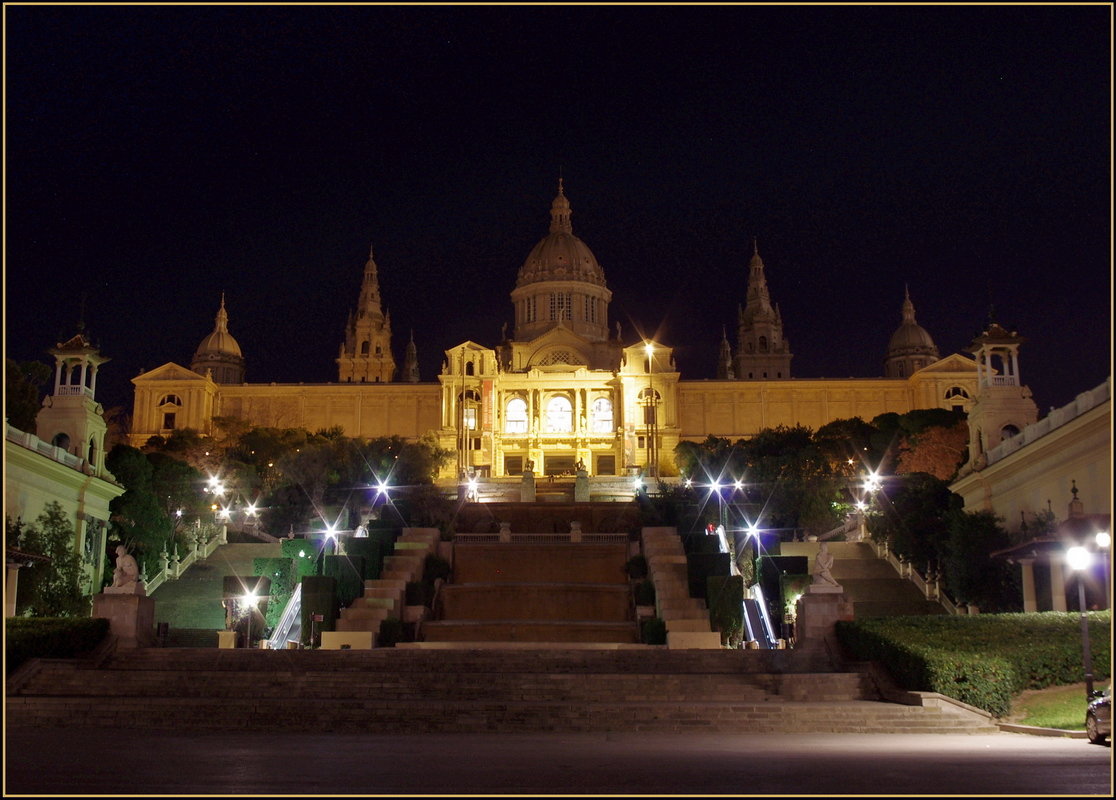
131, 618
527, 487
818, 612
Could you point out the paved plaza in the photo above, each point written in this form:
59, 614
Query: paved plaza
90, 762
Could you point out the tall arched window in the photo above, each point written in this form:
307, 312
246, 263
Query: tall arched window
602, 416
515, 416
559, 416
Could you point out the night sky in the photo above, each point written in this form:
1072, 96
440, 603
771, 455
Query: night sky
157, 156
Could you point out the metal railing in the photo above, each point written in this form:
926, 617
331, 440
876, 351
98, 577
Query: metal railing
930, 585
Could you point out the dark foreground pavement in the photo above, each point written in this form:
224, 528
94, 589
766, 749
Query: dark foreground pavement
85, 762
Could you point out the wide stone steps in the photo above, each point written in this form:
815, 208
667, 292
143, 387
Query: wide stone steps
358, 716
509, 690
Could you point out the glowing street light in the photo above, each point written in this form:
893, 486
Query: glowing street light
250, 599
1079, 559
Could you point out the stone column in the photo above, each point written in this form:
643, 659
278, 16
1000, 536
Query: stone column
1030, 601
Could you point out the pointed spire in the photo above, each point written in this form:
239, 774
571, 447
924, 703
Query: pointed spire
908, 306
560, 212
222, 325
410, 361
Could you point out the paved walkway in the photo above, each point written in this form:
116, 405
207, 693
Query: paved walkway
137, 762
194, 600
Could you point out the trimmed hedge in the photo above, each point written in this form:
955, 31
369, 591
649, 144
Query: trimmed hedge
653, 631
348, 571
50, 637
372, 551
306, 564
725, 596
983, 659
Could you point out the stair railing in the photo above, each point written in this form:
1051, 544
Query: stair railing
930, 586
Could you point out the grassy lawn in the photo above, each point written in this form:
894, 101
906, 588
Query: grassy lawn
1055, 707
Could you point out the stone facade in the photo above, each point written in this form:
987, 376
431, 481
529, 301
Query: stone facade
563, 388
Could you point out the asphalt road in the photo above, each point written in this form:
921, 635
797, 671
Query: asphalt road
93, 762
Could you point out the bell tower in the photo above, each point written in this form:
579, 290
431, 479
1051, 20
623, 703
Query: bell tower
365, 355
1003, 405
71, 418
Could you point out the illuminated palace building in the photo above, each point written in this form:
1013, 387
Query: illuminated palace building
564, 389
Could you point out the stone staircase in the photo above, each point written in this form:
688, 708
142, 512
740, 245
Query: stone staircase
385, 596
871, 584
536, 592
491, 690
686, 618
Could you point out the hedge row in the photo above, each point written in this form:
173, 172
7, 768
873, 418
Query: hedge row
984, 659
51, 637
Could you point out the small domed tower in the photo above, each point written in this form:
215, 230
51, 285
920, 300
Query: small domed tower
911, 347
219, 353
1003, 406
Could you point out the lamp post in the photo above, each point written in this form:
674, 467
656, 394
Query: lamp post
652, 445
250, 603
1104, 541
1079, 560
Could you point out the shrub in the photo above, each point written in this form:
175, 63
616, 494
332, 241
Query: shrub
984, 659
644, 593
391, 632
652, 631
725, 597
636, 567
50, 637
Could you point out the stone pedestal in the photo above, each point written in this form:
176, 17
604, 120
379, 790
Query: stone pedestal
818, 611
581, 487
527, 487
131, 618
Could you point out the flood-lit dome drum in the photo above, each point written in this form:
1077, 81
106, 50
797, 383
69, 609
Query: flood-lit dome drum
561, 282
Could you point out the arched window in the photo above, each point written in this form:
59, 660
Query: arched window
559, 416
1008, 431
515, 416
602, 416
364, 348
763, 344
956, 391
170, 400
62, 441
469, 368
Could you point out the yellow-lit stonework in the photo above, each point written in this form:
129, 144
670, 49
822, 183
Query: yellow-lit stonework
562, 391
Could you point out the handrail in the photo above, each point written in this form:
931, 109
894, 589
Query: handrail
930, 586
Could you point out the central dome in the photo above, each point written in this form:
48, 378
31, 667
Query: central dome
560, 256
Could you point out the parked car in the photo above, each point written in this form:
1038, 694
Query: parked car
1098, 718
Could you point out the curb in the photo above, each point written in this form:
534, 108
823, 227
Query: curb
1033, 731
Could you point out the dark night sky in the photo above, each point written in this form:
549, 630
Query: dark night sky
159, 155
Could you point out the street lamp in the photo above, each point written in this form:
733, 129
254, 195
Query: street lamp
1079, 560
652, 445
1104, 541
250, 600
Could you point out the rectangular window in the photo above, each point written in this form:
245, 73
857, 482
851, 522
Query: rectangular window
529, 310
470, 419
560, 305
590, 309
641, 442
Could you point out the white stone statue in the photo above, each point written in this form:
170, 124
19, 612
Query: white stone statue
822, 566
125, 578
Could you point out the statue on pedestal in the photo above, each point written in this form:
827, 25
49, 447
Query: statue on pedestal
125, 578
822, 566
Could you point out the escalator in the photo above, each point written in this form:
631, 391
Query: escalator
289, 628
